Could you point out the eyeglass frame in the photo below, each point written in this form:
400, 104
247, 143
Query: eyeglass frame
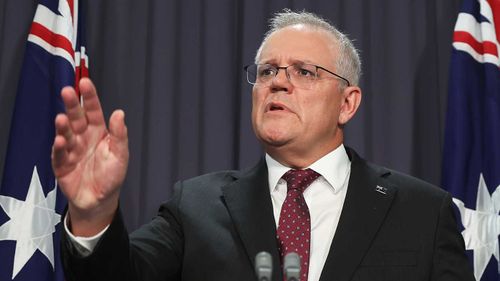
286, 71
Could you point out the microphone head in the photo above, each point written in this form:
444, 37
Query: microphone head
264, 266
291, 267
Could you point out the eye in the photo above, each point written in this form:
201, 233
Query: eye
304, 71
266, 71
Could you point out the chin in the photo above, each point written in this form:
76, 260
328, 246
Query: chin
275, 142
274, 132
274, 138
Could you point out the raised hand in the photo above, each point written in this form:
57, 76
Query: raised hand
89, 161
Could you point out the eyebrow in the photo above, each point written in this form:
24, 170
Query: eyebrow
294, 61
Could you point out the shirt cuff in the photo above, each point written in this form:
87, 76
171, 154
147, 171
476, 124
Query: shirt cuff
83, 245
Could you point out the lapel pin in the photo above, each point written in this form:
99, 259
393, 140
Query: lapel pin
381, 189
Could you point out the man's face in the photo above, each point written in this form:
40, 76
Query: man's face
297, 122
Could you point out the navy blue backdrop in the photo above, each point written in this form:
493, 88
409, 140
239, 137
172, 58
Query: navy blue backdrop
175, 67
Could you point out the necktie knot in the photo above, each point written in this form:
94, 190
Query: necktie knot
299, 179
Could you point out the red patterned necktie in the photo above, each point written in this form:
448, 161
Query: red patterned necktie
294, 227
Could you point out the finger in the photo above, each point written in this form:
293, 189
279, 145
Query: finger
64, 141
119, 134
63, 129
59, 156
91, 102
74, 111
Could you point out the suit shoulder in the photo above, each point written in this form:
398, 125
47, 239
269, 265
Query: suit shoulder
221, 178
204, 188
391, 178
404, 183
210, 179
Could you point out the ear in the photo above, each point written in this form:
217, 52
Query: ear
351, 99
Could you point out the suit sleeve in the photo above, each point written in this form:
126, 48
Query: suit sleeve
450, 262
153, 252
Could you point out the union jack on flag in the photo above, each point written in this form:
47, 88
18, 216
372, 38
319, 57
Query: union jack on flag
471, 156
30, 202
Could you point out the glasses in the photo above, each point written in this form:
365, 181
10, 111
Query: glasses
300, 75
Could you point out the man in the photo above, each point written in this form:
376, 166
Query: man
346, 218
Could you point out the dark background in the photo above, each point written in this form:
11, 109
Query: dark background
175, 67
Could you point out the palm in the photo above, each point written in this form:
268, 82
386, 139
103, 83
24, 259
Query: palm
96, 173
89, 161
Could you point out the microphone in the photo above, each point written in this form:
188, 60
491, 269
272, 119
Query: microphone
264, 266
291, 267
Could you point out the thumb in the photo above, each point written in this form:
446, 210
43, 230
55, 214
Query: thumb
118, 134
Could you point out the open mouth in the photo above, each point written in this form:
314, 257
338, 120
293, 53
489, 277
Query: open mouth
276, 107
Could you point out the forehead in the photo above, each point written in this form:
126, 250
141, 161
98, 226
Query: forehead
299, 43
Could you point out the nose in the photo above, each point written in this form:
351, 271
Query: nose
280, 82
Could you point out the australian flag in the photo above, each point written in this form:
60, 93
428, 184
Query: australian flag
30, 202
471, 160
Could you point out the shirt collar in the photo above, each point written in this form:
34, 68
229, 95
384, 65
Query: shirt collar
333, 167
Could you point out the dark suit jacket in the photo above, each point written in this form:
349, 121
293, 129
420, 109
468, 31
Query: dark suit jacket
392, 227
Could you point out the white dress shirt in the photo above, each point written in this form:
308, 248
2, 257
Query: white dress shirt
324, 198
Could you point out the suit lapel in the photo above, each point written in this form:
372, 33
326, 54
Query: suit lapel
248, 201
367, 201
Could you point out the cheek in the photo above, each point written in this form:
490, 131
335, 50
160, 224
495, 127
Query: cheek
320, 112
258, 99
314, 109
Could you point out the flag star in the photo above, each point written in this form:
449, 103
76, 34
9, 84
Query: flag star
31, 223
482, 226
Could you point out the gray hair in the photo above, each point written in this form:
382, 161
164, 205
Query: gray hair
348, 63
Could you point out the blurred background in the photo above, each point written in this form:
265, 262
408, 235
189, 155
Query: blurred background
175, 67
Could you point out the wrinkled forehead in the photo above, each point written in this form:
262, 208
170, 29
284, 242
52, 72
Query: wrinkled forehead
299, 43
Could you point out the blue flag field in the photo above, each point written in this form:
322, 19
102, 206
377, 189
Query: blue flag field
30, 202
471, 157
